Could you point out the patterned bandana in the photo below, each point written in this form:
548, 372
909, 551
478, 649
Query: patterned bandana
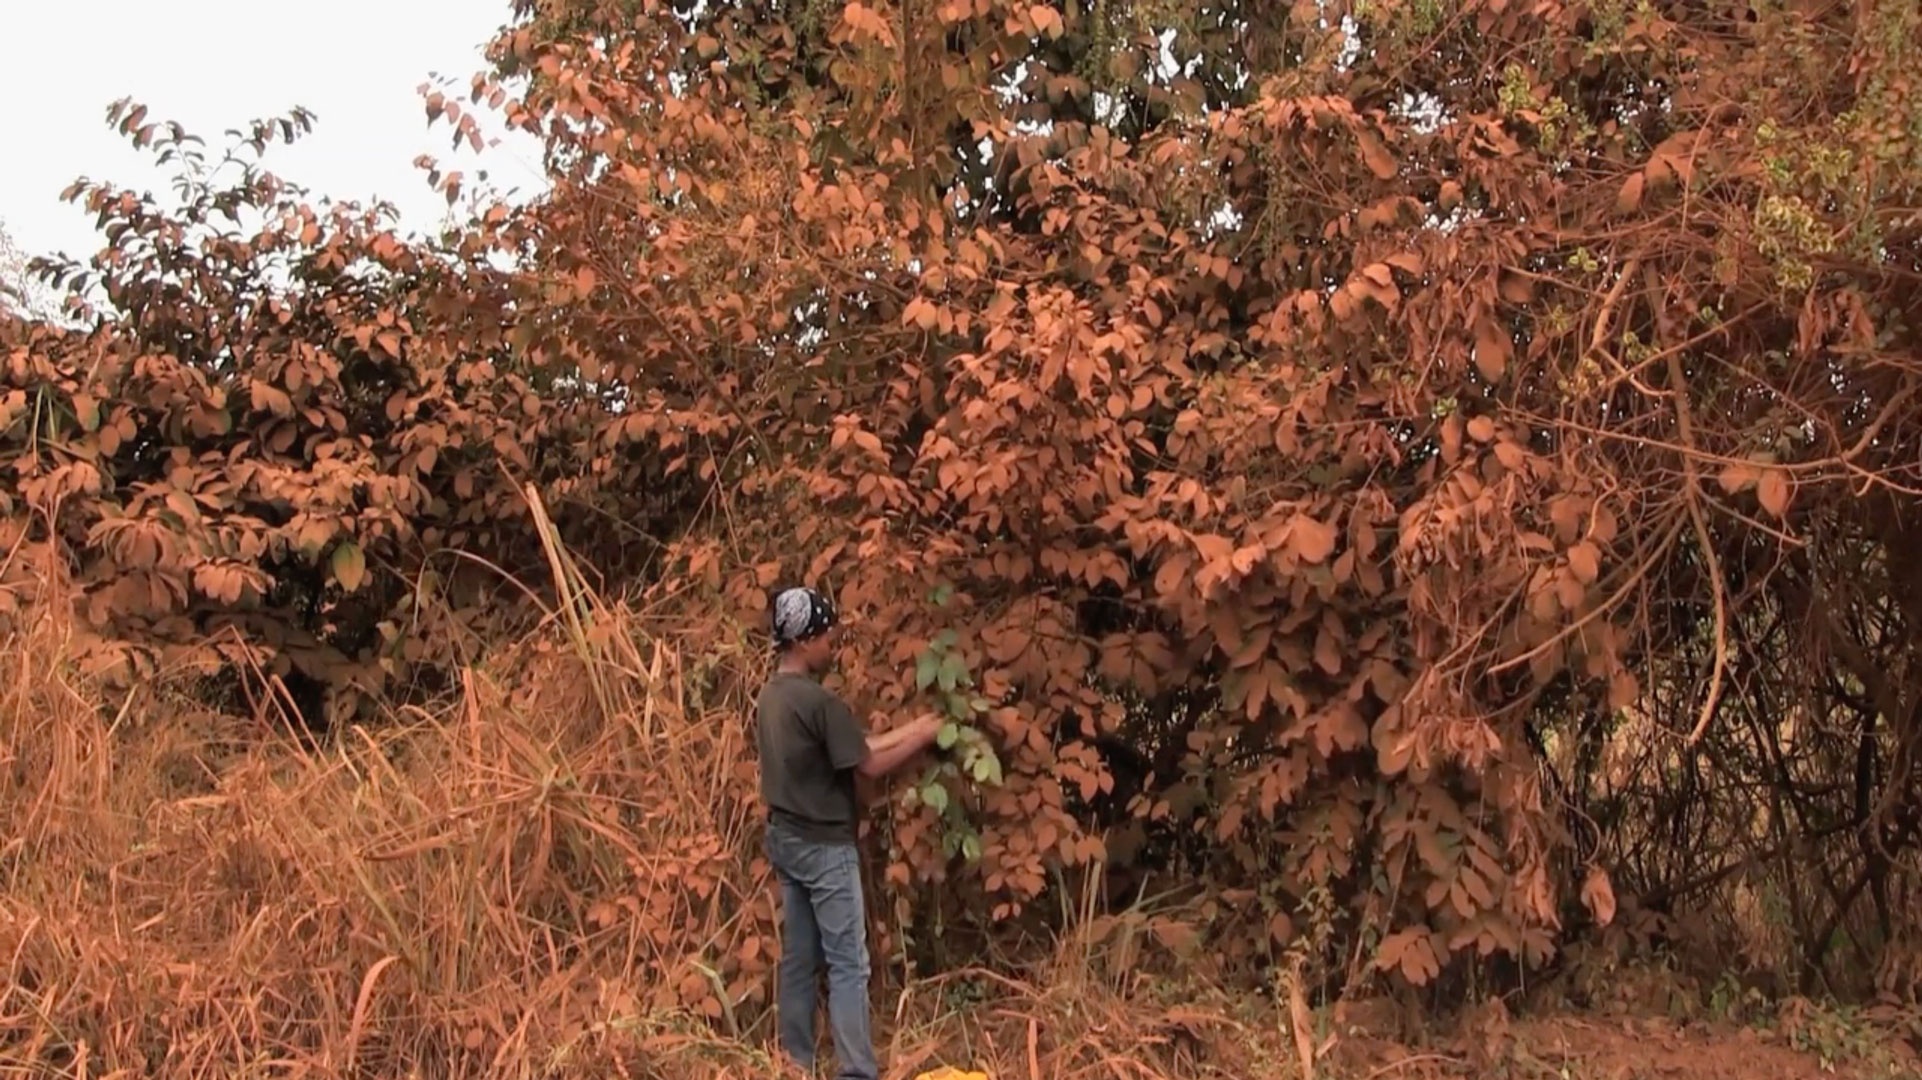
801, 613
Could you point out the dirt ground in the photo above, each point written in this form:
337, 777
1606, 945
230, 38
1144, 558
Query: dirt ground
1790, 1048
1374, 1040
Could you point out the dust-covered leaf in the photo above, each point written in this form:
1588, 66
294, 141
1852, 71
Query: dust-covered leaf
349, 565
1493, 347
1585, 559
1737, 477
1598, 895
1313, 540
1379, 160
1773, 491
1411, 953
1629, 198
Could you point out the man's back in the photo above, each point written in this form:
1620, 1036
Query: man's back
809, 744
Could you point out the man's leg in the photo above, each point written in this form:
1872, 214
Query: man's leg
842, 918
800, 967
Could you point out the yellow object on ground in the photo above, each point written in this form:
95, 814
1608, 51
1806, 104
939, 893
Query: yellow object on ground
949, 1072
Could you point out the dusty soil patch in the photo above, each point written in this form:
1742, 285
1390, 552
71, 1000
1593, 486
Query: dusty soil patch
1595, 1048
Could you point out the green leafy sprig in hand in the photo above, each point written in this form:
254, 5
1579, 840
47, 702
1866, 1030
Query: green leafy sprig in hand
942, 673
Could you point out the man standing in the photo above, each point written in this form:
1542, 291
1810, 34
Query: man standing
811, 746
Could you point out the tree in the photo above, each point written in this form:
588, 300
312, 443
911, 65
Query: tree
1347, 408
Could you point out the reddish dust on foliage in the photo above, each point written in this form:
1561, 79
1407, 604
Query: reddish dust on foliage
1434, 482
1282, 486
187, 893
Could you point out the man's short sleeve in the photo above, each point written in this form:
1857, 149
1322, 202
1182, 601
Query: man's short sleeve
846, 741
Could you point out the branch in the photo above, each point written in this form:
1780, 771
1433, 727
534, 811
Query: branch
1670, 893
1605, 320
1692, 489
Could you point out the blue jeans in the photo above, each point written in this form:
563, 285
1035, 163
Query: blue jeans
824, 921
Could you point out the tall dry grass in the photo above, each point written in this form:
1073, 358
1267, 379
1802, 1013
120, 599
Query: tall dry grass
504, 886
555, 874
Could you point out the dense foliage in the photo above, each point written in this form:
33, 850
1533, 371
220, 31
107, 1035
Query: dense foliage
1396, 466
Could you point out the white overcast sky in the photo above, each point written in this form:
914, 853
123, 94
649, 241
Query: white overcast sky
216, 64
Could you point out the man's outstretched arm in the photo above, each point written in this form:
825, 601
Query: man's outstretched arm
889, 750
884, 740
871, 756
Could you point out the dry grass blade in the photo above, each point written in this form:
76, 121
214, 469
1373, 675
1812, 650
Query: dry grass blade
574, 600
1302, 1024
358, 1025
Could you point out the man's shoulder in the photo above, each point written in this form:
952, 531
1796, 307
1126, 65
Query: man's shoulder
789, 690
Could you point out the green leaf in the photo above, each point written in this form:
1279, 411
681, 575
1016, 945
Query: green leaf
925, 669
980, 704
349, 565
958, 707
949, 733
942, 595
953, 670
936, 797
944, 640
977, 758
971, 847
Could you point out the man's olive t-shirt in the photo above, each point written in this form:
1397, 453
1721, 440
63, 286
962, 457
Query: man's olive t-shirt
809, 744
